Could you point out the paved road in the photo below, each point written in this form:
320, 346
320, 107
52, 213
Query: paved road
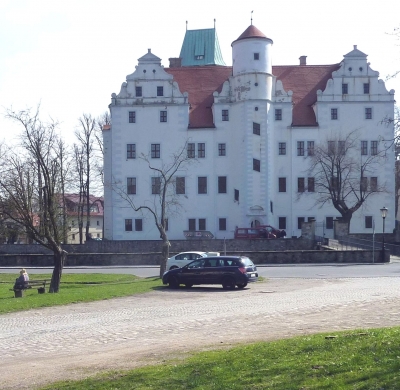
269, 271
76, 340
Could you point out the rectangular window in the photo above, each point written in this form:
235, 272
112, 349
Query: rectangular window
374, 148
202, 224
155, 150
310, 184
201, 150
163, 116
368, 113
256, 128
373, 183
225, 115
222, 224
138, 91
345, 89
282, 148
282, 184
222, 184
180, 185
366, 88
221, 149
128, 225
334, 184
202, 185
341, 148
138, 225
300, 221
131, 151
155, 185
310, 148
256, 165
192, 224
334, 114
329, 222
132, 116
160, 91
278, 114
300, 184
368, 219
236, 195
98, 223
131, 185
364, 148
73, 237
282, 223
300, 148
331, 148
256, 56
191, 150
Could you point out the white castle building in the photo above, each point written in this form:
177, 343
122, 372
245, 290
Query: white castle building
251, 127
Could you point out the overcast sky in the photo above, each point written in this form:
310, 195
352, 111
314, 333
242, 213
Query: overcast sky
69, 56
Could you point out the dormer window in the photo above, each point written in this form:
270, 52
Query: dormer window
256, 56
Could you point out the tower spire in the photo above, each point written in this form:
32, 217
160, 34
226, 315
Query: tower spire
251, 18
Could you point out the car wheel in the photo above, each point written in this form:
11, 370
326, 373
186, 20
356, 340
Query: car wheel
228, 283
242, 285
173, 282
188, 285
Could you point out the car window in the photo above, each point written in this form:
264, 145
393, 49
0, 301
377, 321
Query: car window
246, 261
211, 262
196, 264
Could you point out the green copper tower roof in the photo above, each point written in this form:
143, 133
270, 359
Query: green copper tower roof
201, 47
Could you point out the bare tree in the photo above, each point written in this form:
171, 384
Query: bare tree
165, 202
30, 185
343, 176
86, 138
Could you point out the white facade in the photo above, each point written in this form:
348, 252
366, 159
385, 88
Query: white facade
252, 92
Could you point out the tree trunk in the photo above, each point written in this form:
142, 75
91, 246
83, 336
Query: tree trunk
165, 254
60, 257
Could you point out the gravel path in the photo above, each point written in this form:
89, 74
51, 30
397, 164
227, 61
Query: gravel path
70, 342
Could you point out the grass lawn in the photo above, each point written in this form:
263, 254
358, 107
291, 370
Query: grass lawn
74, 288
346, 360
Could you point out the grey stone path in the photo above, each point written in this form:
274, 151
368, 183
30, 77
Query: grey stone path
77, 340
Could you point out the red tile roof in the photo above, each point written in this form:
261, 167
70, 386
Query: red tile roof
201, 82
74, 199
251, 32
304, 81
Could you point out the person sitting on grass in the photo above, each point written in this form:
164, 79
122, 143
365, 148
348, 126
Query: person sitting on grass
21, 283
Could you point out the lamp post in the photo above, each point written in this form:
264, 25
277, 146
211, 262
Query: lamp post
384, 211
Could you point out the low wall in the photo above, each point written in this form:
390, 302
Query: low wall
259, 257
154, 246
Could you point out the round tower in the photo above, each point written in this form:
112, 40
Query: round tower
251, 52
252, 65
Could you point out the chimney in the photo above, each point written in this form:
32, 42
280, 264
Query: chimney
175, 62
303, 60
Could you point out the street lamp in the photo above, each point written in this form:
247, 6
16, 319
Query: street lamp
384, 211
